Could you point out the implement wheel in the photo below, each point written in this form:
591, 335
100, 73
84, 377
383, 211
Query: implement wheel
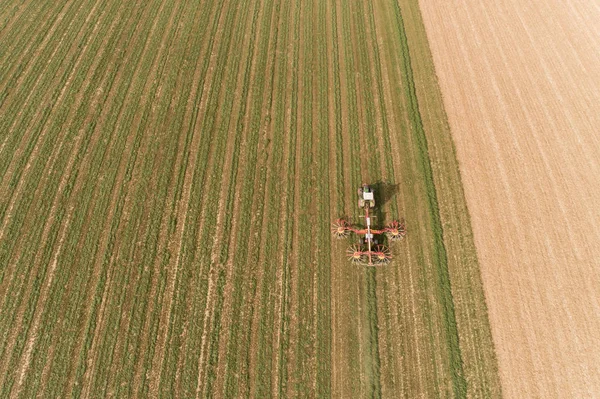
395, 231
355, 254
339, 229
382, 255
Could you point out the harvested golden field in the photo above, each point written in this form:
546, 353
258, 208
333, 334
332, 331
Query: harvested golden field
169, 172
521, 86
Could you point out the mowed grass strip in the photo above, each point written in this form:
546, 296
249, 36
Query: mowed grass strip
254, 155
20, 41
440, 256
14, 205
186, 122
196, 240
203, 246
303, 333
264, 239
70, 242
190, 361
145, 217
116, 329
171, 125
14, 240
287, 259
322, 243
431, 373
391, 375
351, 333
66, 186
41, 90
103, 266
10, 230
370, 158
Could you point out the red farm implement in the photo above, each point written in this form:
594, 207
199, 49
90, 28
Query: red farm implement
370, 249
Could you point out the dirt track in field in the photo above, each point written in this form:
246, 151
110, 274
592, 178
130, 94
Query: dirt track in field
521, 86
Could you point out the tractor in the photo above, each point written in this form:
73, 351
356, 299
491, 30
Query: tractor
370, 250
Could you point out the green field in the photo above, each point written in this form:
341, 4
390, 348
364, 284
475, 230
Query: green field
169, 172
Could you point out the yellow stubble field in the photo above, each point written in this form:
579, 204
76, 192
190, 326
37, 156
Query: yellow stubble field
521, 86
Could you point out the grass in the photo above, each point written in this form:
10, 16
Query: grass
182, 162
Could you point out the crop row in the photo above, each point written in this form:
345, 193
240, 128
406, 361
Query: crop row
80, 273
207, 348
46, 198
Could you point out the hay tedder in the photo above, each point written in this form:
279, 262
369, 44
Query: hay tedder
370, 249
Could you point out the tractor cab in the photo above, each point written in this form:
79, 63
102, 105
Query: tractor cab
366, 197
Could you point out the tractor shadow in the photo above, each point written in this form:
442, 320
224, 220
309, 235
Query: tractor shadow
384, 192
